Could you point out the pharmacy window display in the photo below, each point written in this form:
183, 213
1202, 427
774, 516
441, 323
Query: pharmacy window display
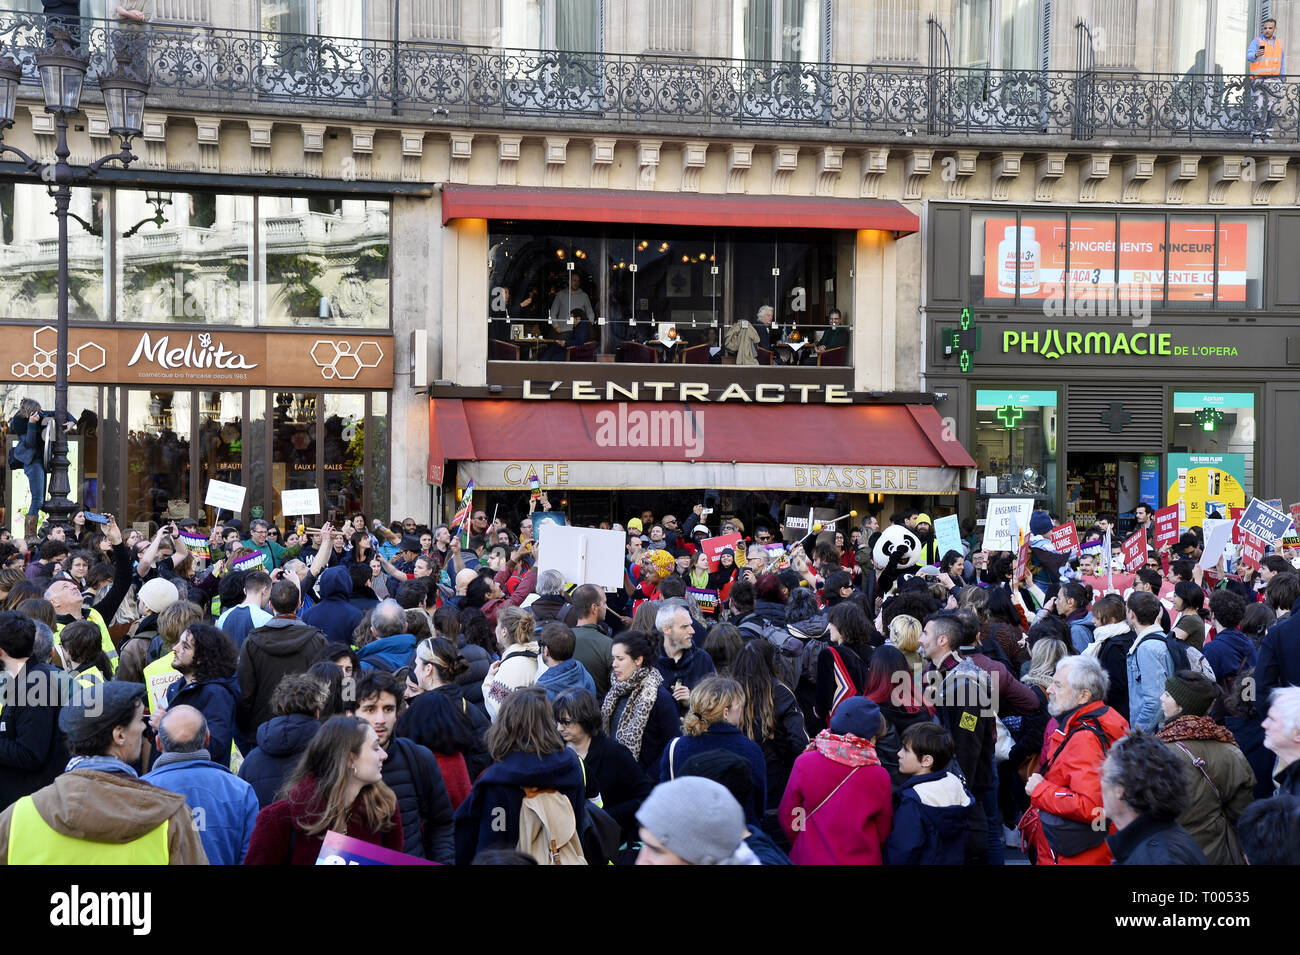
1015, 444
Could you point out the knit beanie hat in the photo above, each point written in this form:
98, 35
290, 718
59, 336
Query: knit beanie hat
157, 595
695, 818
859, 716
1040, 523
634, 524
1194, 692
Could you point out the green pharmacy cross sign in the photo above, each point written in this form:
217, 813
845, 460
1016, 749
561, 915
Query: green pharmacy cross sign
1209, 418
1010, 415
963, 341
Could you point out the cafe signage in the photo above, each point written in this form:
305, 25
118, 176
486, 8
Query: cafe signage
199, 357
763, 393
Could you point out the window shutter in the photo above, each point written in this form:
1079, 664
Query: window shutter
1138, 413
1045, 35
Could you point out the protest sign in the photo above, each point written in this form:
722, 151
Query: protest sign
1006, 518
196, 544
1022, 557
253, 561
1218, 535
1264, 521
582, 555
800, 521
338, 849
1166, 526
706, 600
713, 546
224, 496
1252, 550
947, 534
1134, 550
1118, 582
300, 503
1064, 539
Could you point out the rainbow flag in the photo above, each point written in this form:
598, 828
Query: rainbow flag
461, 517
535, 486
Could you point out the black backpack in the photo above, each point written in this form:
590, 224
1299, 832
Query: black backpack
1177, 649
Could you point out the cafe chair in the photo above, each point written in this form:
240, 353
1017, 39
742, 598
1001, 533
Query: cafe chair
696, 355
585, 352
638, 354
502, 351
764, 356
833, 356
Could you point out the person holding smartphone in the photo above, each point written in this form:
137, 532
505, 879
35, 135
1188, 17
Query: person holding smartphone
29, 455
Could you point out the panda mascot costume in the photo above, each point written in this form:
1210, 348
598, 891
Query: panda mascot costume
895, 552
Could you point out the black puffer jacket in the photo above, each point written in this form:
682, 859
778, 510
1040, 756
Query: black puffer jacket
1149, 840
412, 773
281, 741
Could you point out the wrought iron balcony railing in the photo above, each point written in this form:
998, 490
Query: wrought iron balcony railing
286, 73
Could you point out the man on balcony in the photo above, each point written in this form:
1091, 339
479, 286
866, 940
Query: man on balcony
1267, 65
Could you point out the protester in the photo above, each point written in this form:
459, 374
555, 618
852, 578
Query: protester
296, 706
338, 785
334, 614
1223, 782
410, 771
206, 660
562, 672
1270, 831
1282, 736
1149, 662
282, 646
614, 779
520, 662
99, 812
842, 666
225, 807
693, 821
241, 620
930, 824
771, 718
638, 710
837, 808
890, 686
592, 645
527, 751
1145, 788
682, 665
32, 750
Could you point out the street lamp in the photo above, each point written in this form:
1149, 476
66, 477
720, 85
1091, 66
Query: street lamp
63, 75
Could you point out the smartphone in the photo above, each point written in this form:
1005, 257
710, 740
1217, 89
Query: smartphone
95, 518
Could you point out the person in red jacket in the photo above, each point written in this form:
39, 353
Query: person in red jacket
338, 786
1066, 820
837, 808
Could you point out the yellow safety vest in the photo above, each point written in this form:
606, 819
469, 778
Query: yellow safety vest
32, 841
158, 676
105, 642
88, 678
1269, 61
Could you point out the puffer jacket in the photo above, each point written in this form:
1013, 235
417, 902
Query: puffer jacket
281, 741
413, 775
388, 653
931, 820
1071, 786
334, 615
216, 700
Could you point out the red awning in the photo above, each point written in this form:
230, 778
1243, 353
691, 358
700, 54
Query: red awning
849, 436
672, 208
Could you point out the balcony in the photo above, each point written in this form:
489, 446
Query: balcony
456, 85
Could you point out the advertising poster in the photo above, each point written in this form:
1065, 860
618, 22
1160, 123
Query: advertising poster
1041, 252
1149, 480
1195, 479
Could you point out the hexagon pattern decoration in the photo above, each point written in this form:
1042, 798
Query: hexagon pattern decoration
89, 356
344, 360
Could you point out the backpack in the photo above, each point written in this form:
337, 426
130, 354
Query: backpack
1176, 648
798, 657
548, 829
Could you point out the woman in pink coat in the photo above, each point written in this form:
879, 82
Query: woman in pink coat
837, 808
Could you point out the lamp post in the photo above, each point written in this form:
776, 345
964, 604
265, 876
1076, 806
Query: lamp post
63, 74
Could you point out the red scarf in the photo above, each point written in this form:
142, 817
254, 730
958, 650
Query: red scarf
847, 750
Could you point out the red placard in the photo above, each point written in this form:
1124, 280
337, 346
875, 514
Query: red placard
1120, 582
1233, 514
1166, 526
1252, 550
1065, 539
1022, 558
1134, 550
713, 546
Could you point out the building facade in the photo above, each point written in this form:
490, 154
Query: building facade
437, 186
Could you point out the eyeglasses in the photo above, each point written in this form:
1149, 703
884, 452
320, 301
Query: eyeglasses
560, 722
764, 538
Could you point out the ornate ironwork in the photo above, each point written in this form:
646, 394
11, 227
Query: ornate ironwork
219, 67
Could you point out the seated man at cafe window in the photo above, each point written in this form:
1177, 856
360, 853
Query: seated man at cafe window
580, 335
837, 336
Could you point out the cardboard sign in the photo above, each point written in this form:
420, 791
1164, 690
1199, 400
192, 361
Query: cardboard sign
1006, 518
158, 684
713, 546
1022, 558
1218, 535
1252, 550
300, 503
226, 497
253, 561
1134, 550
796, 525
947, 535
1165, 523
706, 600
338, 849
1064, 539
1264, 521
582, 555
1119, 582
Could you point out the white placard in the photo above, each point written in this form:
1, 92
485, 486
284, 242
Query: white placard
1006, 518
583, 555
226, 497
301, 503
1218, 535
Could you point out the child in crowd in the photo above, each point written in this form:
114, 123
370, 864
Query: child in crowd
932, 809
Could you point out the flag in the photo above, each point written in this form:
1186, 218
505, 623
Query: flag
467, 504
535, 487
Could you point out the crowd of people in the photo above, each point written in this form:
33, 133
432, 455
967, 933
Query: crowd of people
234, 696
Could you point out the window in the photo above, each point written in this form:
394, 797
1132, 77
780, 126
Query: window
1002, 34
661, 294
1015, 444
336, 18
1221, 423
1214, 32
575, 26
29, 253
793, 31
158, 455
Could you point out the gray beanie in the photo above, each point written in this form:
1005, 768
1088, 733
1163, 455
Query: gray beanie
695, 818
98, 707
